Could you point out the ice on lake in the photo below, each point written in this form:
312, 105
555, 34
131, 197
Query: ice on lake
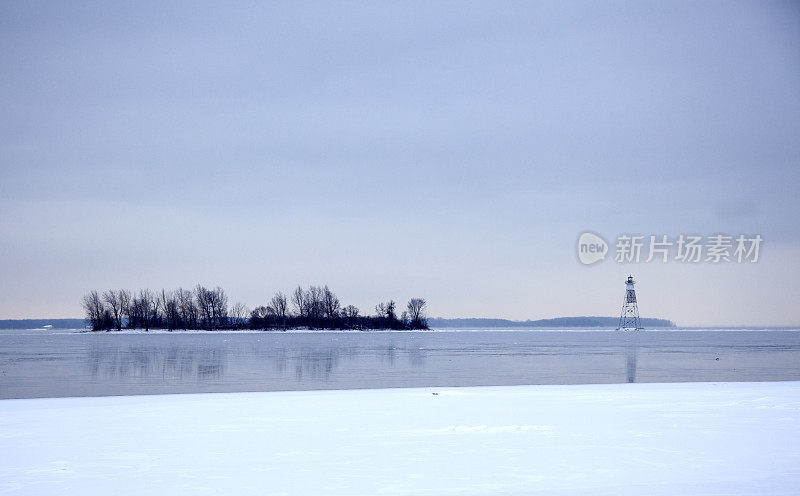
51, 364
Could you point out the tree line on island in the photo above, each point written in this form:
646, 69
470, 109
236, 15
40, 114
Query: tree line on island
203, 308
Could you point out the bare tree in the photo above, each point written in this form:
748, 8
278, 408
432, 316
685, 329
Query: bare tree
162, 302
390, 311
135, 313
314, 303
125, 304
258, 317
167, 303
186, 308
96, 312
213, 305
350, 314
299, 302
330, 303
219, 306
112, 299
238, 314
386, 313
173, 310
416, 313
146, 309
205, 303
279, 307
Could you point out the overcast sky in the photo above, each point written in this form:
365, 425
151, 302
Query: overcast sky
449, 150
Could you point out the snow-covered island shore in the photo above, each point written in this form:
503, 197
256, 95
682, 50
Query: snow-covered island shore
663, 439
303, 330
239, 331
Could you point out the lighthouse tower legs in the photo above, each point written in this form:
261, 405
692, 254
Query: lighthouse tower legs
629, 317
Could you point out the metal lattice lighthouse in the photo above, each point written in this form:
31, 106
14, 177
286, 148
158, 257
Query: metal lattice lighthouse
629, 318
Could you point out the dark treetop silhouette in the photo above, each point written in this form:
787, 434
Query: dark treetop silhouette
202, 308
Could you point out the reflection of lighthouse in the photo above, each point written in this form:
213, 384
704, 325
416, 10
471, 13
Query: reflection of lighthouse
629, 318
630, 365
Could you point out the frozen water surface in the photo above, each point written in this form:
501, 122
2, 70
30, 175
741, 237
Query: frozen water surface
52, 364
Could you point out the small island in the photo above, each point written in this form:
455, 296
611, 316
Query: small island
207, 309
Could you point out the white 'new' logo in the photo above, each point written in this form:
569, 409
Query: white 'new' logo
591, 248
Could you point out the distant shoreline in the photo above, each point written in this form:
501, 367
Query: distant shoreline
555, 322
432, 322
437, 323
80, 330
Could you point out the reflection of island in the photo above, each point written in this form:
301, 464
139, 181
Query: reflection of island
143, 362
234, 363
317, 364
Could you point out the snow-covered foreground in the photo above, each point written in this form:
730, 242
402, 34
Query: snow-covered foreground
666, 439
